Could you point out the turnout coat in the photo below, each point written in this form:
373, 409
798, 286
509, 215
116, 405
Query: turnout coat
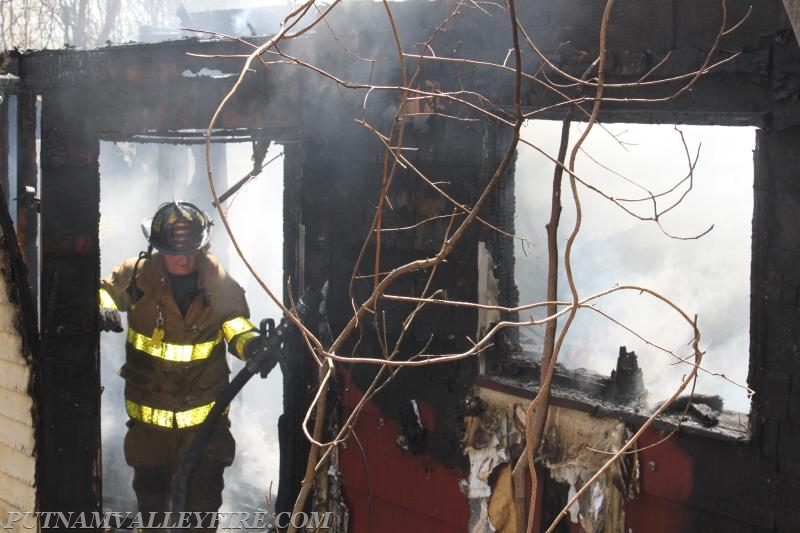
175, 365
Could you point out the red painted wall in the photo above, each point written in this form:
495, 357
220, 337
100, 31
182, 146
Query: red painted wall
415, 494
410, 493
666, 484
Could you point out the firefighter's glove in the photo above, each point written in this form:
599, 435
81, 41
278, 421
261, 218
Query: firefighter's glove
110, 320
257, 357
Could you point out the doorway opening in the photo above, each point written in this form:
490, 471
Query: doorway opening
137, 177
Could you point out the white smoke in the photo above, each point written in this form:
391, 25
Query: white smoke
122, 207
709, 276
256, 217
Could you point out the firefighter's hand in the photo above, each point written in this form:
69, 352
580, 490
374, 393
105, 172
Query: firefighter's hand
257, 358
110, 320
254, 347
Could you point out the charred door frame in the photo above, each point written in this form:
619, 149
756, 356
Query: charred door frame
105, 95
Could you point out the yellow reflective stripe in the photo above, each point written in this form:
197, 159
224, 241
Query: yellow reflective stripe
192, 417
165, 418
235, 326
157, 417
106, 300
242, 340
180, 353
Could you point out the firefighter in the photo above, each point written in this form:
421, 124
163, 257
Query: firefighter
183, 308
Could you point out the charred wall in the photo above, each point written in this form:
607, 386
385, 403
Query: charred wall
775, 353
341, 184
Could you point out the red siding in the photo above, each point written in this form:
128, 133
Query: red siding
666, 484
409, 493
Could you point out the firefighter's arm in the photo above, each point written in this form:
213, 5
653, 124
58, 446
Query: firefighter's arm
113, 297
244, 340
241, 335
250, 345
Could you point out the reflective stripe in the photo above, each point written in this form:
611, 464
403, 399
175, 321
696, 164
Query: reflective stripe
106, 300
192, 417
157, 417
235, 326
181, 353
242, 340
165, 418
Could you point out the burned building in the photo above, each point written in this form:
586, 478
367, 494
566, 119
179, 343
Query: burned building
435, 449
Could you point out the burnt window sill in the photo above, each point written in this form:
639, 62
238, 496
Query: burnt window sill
617, 396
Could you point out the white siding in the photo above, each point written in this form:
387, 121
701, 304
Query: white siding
793, 9
17, 442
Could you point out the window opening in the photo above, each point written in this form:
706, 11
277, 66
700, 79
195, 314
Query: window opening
709, 275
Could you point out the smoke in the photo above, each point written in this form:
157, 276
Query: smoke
256, 216
709, 276
122, 207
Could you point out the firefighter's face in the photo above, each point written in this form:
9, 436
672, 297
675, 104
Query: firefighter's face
180, 265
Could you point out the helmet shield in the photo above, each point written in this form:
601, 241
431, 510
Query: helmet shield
178, 228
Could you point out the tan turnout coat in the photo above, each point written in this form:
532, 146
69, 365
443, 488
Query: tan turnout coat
183, 366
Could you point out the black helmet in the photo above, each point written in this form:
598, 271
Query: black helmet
178, 228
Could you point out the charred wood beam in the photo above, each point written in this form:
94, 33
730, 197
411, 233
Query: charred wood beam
4, 148
150, 91
27, 188
69, 351
197, 137
9, 83
672, 35
299, 375
774, 313
260, 148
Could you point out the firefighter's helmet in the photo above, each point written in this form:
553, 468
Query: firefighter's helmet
178, 228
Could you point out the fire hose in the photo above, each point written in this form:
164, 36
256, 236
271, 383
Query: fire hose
261, 363
253, 366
